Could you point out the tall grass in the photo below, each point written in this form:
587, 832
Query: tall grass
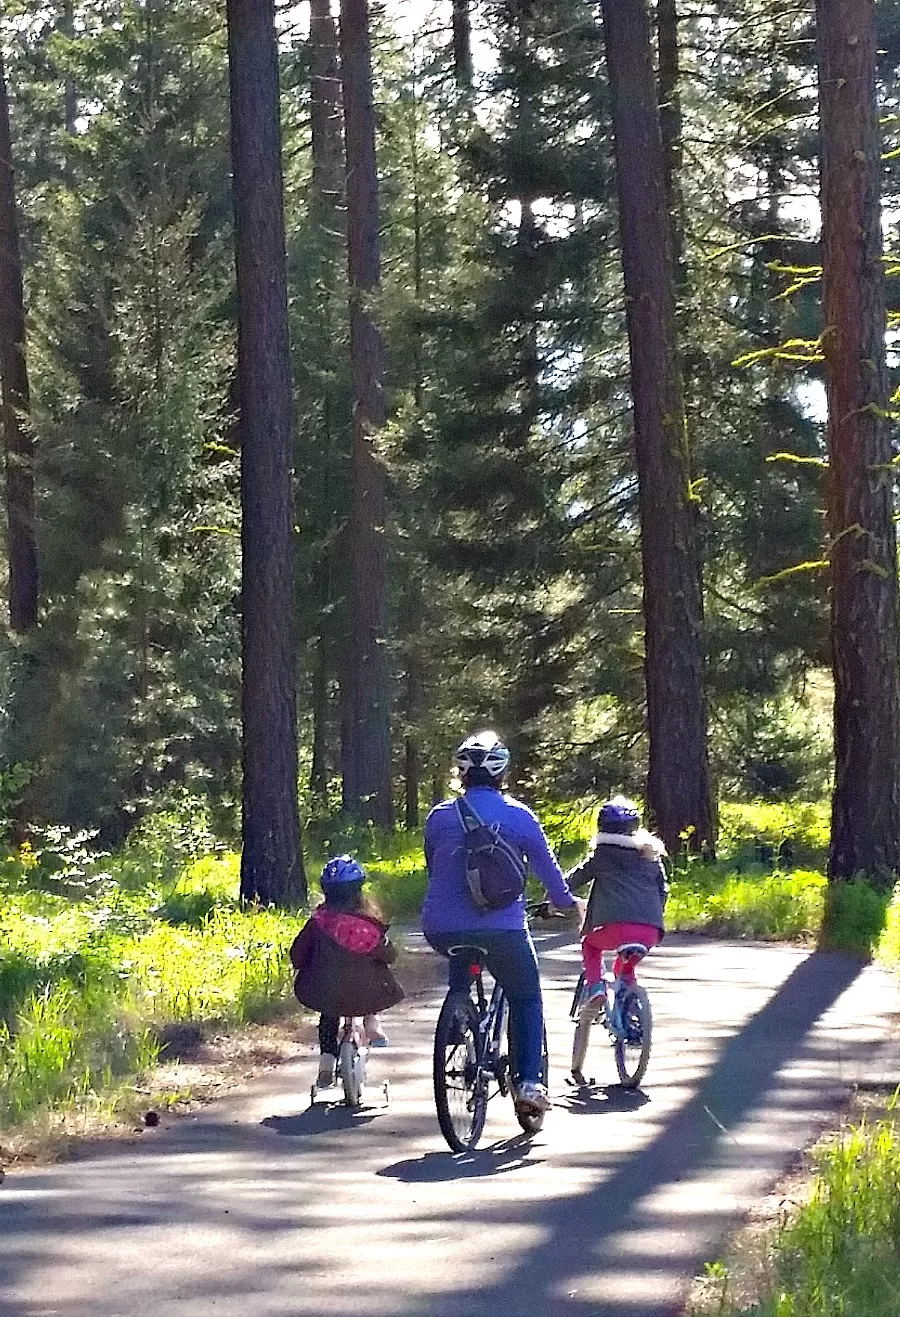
86, 987
839, 1256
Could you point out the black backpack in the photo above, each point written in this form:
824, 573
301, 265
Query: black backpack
495, 871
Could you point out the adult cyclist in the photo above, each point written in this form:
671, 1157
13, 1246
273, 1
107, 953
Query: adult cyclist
451, 918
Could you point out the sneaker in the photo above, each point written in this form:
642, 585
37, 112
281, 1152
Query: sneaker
533, 1097
327, 1068
375, 1035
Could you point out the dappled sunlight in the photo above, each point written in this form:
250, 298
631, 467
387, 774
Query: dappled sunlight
256, 1196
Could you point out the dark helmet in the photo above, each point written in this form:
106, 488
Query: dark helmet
342, 869
619, 815
485, 751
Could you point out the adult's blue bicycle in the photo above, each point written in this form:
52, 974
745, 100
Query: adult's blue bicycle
474, 1061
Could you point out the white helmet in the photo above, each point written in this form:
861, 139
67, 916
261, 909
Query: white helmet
486, 751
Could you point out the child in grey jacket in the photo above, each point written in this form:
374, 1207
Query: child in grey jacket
628, 891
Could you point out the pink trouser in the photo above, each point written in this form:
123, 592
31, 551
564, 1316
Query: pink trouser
609, 938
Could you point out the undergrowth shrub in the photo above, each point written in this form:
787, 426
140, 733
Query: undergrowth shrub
707, 899
85, 987
839, 1256
796, 831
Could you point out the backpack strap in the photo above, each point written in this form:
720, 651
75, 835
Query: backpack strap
468, 815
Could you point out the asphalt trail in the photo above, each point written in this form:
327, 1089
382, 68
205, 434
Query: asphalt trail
263, 1207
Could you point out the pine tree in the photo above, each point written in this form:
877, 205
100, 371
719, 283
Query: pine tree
17, 437
365, 690
271, 861
678, 787
865, 836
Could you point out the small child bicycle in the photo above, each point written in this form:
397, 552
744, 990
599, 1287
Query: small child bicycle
623, 1010
351, 1064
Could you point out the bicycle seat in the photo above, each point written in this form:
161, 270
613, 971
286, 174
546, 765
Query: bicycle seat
631, 949
467, 948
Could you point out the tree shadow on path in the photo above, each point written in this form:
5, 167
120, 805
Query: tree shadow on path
651, 1256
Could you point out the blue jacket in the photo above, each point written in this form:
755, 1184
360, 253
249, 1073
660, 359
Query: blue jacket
448, 906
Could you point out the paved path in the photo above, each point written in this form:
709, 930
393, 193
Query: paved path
261, 1207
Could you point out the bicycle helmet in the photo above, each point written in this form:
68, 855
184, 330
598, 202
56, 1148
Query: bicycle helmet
619, 815
485, 751
342, 869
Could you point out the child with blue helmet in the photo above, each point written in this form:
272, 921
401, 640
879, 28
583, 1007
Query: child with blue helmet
341, 958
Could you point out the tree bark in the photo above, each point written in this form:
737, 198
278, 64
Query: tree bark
17, 437
462, 45
365, 754
272, 859
325, 113
327, 212
670, 124
678, 785
865, 836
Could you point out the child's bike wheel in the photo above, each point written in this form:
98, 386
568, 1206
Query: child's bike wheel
632, 1046
532, 1122
460, 1090
352, 1066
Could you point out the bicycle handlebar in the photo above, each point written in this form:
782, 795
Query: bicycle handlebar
543, 910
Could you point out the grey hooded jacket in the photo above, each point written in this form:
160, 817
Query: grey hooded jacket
629, 881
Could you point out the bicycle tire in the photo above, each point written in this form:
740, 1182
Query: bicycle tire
352, 1067
578, 996
461, 1104
632, 1049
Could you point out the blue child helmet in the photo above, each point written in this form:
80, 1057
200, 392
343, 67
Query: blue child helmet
342, 869
619, 815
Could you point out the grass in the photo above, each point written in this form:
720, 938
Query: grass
839, 1254
99, 953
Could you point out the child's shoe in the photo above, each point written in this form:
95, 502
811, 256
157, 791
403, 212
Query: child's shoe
375, 1035
327, 1068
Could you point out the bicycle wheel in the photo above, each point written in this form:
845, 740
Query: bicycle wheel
578, 996
632, 1047
352, 1066
460, 1088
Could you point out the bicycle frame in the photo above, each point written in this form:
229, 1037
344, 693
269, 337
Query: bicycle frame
493, 1018
609, 1009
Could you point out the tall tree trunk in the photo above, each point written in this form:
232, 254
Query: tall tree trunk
366, 752
670, 128
678, 786
70, 95
272, 860
325, 113
865, 834
327, 212
412, 758
462, 45
17, 438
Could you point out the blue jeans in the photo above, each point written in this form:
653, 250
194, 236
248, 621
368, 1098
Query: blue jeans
512, 960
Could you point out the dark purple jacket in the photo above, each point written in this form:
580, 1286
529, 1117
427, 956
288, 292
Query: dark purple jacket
341, 964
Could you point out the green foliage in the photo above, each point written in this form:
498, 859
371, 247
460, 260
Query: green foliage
855, 917
86, 985
839, 1255
761, 905
803, 826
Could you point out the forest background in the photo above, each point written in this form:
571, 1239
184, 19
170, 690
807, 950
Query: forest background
472, 419
513, 533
